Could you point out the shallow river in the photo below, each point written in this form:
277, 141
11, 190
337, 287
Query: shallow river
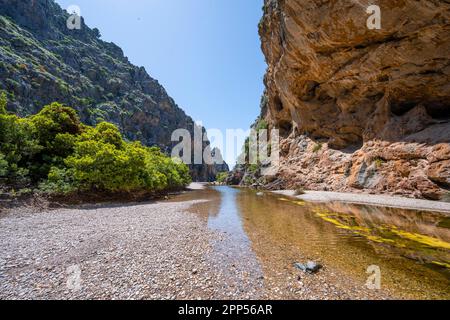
270, 233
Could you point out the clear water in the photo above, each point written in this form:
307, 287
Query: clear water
412, 248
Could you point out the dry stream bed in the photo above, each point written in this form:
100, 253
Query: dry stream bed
223, 243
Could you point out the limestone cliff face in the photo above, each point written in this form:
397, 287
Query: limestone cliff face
42, 61
359, 108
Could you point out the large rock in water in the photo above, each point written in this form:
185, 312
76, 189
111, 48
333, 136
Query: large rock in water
42, 61
359, 108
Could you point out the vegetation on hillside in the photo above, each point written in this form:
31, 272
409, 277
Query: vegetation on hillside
54, 153
221, 177
42, 61
247, 173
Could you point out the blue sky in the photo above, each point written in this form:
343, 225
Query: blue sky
206, 53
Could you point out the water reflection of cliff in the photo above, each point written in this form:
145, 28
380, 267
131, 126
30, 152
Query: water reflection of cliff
413, 234
351, 238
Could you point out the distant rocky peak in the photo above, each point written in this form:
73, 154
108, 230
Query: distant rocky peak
43, 61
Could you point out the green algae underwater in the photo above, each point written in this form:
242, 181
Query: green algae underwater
412, 248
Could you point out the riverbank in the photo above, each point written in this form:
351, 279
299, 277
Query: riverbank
157, 250
34, 202
140, 251
213, 243
369, 199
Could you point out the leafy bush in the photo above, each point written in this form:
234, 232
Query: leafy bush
3, 103
109, 164
317, 147
249, 180
261, 125
54, 151
55, 119
379, 162
18, 148
3, 165
60, 181
221, 177
254, 168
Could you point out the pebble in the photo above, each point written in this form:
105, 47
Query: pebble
148, 262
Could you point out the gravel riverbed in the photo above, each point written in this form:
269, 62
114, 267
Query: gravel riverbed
157, 250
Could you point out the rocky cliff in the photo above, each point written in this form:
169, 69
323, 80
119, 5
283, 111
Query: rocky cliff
360, 109
42, 61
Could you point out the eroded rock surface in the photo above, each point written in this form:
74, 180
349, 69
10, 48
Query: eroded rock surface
360, 109
43, 61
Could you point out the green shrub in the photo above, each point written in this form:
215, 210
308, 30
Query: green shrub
18, 147
317, 147
60, 181
248, 180
56, 129
102, 160
177, 173
221, 177
3, 165
103, 166
261, 125
379, 162
3, 103
254, 168
55, 152
54, 119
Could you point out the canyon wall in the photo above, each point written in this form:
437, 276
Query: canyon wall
43, 61
359, 109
